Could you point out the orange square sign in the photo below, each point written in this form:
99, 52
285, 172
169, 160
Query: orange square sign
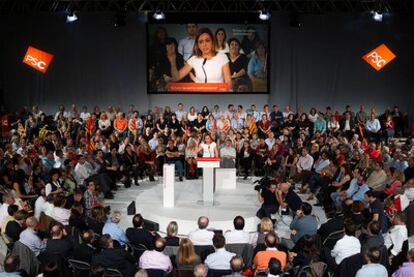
37, 59
379, 57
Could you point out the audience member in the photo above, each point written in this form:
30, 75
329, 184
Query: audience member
373, 268
304, 223
221, 258
202, 236
348, 245
113, 229
237, 235
138, 234
156, 259
261, 260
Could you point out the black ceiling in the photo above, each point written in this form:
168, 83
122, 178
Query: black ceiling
14, 7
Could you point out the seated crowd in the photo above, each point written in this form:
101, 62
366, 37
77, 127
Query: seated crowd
56, 172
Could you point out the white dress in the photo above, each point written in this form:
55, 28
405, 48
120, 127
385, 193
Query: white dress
212, 67
208, 149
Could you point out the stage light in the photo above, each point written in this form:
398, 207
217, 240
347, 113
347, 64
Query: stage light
71, 17
159, 15
264, 15
377, 16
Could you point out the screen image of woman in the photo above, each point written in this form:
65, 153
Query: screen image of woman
257, 68
238, 67
209, 65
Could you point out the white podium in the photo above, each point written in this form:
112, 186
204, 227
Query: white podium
225, 178
168, 185
208, 165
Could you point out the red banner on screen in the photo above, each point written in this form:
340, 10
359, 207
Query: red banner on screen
37, 59
379, 57
198, 87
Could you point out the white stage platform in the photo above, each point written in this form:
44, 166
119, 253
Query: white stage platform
228, 203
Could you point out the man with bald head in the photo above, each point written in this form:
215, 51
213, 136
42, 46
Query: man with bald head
156, 259
202, 236
236, 265
262, 258
287, 197
30, 238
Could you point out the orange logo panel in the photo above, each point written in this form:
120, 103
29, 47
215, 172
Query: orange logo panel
379, 57
37, 59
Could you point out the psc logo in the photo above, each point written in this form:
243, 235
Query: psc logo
379, 57
41, 65
37, 59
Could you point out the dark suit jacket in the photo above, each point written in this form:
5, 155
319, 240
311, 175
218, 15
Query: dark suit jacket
13, 230
332, 225
351, 124
83, 252
62, 247
116, 258
140, 236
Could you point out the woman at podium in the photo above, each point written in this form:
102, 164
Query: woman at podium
208, 147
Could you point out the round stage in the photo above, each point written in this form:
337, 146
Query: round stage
228, 204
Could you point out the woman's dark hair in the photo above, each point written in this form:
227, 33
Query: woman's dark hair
196, 50
171, 40
235, 40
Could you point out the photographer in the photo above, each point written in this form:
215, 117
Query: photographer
266, 193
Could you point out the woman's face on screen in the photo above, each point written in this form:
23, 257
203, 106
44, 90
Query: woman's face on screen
234, 47
205, 44
220, 36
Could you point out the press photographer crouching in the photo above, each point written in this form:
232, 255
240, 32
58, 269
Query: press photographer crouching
266, 193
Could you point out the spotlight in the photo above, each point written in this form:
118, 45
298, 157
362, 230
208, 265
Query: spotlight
159, 15
264, 15
71, 17
377, 16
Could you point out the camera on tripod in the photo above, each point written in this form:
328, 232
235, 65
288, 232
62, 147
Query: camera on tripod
263, 183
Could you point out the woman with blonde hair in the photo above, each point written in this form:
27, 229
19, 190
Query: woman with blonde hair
172, 231
265, 227
186, 257
191, 152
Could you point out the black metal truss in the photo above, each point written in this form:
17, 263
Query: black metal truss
13, 7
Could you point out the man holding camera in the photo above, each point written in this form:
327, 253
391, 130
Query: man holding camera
266, 193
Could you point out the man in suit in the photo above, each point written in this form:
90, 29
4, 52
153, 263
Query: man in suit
85, 250
139, 235
335, 223
117, 258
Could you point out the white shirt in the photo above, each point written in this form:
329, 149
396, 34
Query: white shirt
373, 125
395, 238
81, 173
61, 215
208, 149
269, 142
84, 116
219, 259
39, 206
185, 47
305, 163
3, 212
201, 237
212, 67
345, 247
237, 236
180, 114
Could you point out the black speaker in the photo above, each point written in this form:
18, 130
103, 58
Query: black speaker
131, 208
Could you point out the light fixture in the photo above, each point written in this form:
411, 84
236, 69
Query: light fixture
158, 15
71, 17
263, 15
377, 16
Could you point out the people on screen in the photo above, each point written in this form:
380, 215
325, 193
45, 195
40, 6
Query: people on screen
205, 62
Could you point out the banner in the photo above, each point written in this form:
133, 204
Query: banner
379, 57
37, 59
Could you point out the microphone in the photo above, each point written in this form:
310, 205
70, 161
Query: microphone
205, 74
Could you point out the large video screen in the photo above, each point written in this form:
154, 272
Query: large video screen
196, 57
